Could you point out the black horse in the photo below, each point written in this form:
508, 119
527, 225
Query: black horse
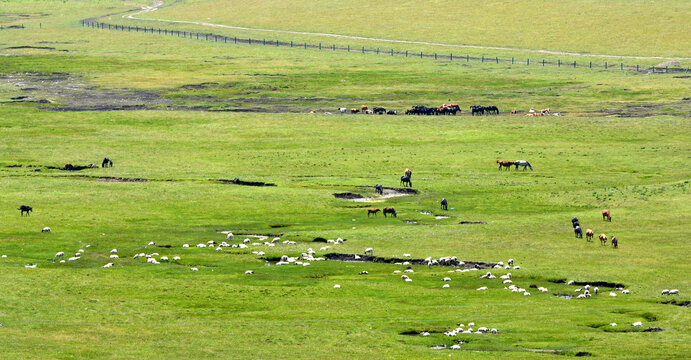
379, 189
25, 209
389, 210
492, 110
574, 221
378, 110
480, 110
444, 204
406, 180
107, 163
578, 231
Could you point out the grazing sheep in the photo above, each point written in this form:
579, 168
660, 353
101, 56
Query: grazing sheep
73, 258
369, 251
78, 254
612, 294
571, 282
249, 272
399, 271
508, 282
446, 279
637, 323
624, 291
108, 265
517, 267
542, 289
526, 294
406, 255
493, 331
45, 229
4, 256
674, 292
194, 269
337, 286
445, 286
408, 280
229, 236
114, 256
424, 333
114, 251
151, 243
482, 288
176, 258
164, 258
403, 277
596, 290
510, 262
613, 324
59, 254
185, 245
201, 245
246, 241
455, 347
363, 273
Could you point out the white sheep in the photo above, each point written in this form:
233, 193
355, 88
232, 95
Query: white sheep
249, 272
185, 245
455, 347
493, 331
369, 251
665, 292
219, 249
229, 236
587, 287
612, 294
337, 286
78, 254
408, 270
397, 271
526, 294
596, 290
424, 333
45, 229
164, 258
446, 279
176, 258
73, 258
201, 245
114, 256
482, 288
364, 272
508, 282
637, 323
246, 241
571, 282
194, 269
3, 256
625, 292
674, 292
59, 254
613, 324
406, 255
114, 251
517, 267
108, 265
151, 243
445, 286
408, 280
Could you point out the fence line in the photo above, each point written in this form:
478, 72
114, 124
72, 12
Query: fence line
378, 51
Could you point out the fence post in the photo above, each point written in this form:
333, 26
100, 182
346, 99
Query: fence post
435, 56
377, 51
591, 65
636, 67
497, 58
622, 66
512, 60
348, 48
334, 47
574, 63
305, 45
483, 58
320, 46
653, 69
528, 61
420, 54
276, 42
666, 69
363, 49
391, 52
558, 63
605, 65
406, 53
451, 56
467, 58
264, 41
249, 41
291, 43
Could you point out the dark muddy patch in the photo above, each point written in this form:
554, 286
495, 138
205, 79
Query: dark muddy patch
472, 222
677, 303
276, 226
377, 259
31, 47
204, 85
165, 246
419, 332
13, 166
70, 167
655, 329
583, 353
120, 179
591, 283
319, 239
348, 196
634, 330
237, 181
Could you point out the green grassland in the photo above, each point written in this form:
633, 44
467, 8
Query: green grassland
220, 111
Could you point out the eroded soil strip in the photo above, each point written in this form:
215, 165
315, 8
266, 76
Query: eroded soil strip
377, 259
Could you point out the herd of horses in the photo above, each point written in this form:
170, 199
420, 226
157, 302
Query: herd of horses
517, 163
444, 109
606, 216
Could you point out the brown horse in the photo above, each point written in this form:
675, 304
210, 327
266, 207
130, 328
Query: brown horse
408, 173
606, 215
372, 211
603, 239
506, 164
389, 210
589, 235
615, 242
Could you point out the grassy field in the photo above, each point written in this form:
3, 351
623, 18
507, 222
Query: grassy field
203, 111
630, 28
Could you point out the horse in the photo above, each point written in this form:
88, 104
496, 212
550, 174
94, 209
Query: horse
492, 109
578, 231
523, 163
606, 215
615, 242
25, 209
574, 220
389, 210
514, 112
506, 164
406, 180
444, 204
342, 110
576, 224
107, 163
391, 112
379, 110
603, 239
372, 211
408, 173
364, 108
379, 189
589, 235
354, 111
477, 110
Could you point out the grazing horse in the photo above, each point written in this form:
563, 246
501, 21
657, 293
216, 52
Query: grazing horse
523, 163
342, 110
492, 110
574, 221
354, 111
589, 235
378, 110
615, 242
389, 210
391, 112
506, 164
364, 108
408, 173
25, 209
406, 180
578, 231
444, 204
606, 215
372, 211
379, 189
576, 224
107, 163
603, 239
514, 112
477, 110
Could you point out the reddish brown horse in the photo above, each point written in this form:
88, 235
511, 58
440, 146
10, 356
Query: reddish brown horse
589, 235
408, 173
389, 210
372, 211
603, 239
506, 164
606, 215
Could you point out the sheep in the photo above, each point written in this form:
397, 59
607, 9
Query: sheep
424, 333
578, 290
114, 256
59, 254
406, 255
364, 272
114, 251
455, 347
508, 282
45, 229
408, 280
229, 236
571, 282
408, 270
446, 279
517, 267
510, 262
248, 272
164, 258
674, 292
370, 251
62, 261
637, 323
219, 249
665, 292
185, 245
505, 277
624, 291
587, 287
151, 243
73, 258
493, 331
31, 266
175, 258
613, 324
78, 254
542, 289
242, 246
397, 271
596, 290
201, 245
356, 257
194, 269
526, 294
445, 286
337, 286
403, 277
210, 242
80, 250
482, 288
612, 294
4, 256
108, 265
246, 241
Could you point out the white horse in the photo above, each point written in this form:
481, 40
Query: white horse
523, 163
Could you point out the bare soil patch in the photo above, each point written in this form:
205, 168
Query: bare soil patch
388, 192
237, 181
120, 179
377, 259
591, 283
472, 222
678, 303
